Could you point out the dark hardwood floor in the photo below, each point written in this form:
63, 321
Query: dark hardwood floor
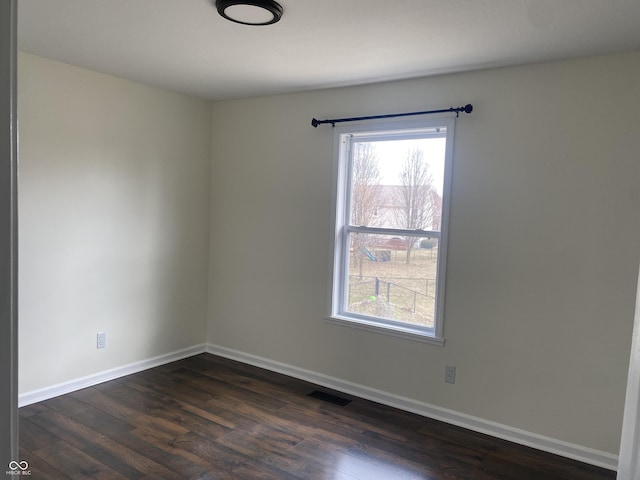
212, 418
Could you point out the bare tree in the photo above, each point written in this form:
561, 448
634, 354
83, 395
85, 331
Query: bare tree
418, 200
364, 195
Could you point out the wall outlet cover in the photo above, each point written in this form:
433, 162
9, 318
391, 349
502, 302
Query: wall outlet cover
450, 374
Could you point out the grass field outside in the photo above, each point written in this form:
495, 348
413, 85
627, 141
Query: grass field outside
394, 289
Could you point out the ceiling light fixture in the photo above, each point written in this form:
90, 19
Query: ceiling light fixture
250, 12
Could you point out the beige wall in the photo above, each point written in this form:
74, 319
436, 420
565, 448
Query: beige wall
543, 243
114, 212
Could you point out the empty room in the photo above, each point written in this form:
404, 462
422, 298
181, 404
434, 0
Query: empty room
326, 240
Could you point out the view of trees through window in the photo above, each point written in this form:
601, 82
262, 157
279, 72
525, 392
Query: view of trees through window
395, 185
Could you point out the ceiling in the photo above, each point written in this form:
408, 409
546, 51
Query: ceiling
185, 46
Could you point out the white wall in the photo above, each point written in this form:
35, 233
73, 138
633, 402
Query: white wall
543, 243
114, 212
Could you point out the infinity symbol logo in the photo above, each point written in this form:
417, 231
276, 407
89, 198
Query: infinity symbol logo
13, 465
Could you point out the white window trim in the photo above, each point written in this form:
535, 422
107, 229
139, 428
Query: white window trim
340, 211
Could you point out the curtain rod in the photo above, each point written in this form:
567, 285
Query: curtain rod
468, 108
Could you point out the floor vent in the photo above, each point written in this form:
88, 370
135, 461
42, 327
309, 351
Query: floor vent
327, 397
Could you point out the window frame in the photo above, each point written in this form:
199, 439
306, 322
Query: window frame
341, 228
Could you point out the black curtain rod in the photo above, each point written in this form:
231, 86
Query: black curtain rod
468, 108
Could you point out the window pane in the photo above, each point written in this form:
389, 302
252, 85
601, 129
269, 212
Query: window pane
392, 277
398, 183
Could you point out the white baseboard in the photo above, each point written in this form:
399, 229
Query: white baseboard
505, 432
67, 387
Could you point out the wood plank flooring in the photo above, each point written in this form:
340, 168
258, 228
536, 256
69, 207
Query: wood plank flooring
207, 417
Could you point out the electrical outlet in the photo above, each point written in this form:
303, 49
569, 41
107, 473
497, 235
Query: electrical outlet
101, 340
450, 374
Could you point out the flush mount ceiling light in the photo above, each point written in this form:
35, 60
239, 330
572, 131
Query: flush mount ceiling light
250, 12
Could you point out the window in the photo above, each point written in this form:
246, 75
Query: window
389, 249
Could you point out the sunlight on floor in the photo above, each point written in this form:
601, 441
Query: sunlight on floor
361, 466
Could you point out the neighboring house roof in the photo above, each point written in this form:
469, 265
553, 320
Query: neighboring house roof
389, 203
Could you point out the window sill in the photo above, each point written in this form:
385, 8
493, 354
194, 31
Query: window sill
391, 330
